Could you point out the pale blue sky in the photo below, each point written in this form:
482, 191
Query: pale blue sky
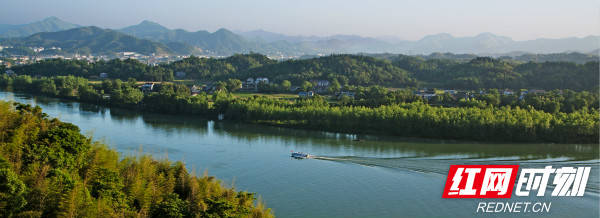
407, 19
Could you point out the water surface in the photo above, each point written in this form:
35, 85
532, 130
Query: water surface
376, 177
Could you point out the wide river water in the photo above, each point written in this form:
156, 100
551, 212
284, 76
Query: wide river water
375, 177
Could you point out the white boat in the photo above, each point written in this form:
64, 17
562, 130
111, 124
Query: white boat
300, 155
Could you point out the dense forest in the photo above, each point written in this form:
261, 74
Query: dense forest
570, 117
552, 101
484, 72
423, 120
392, 71
49, 169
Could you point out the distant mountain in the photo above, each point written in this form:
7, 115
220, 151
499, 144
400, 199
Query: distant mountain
322, 44
224, 42
50, 24
488, 43
585, 44
266, 36
6, 27
444, 42
482, 44
90, 40
221, 42
146, 29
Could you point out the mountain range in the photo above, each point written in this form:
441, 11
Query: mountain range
90, 40
221, 42
50, 24
152, 37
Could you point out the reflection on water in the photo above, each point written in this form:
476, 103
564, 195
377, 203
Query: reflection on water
375, 146
379, 176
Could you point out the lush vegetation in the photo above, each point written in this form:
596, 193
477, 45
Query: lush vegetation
121, 69
552, 101
423, 120
484, 72
553, 117
394, 71
575, 57
49, 169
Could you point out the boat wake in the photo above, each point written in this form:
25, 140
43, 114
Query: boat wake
439, 166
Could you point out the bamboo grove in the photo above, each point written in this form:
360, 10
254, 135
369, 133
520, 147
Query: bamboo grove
49, 169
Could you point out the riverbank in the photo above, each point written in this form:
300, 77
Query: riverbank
500, 124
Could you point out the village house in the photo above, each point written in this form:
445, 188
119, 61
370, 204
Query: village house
345, 93
261, 80
252, 83
426, 93
451, 91
147, 87
531, 91
306, 94
508, 92
248, 84
195, 90
320, 85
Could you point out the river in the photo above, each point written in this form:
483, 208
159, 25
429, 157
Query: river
377, 176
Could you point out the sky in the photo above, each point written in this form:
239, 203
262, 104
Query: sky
404, 19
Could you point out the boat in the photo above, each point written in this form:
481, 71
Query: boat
300, 155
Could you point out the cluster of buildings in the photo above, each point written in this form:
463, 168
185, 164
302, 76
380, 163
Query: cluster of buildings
41, 49
252, 83
152, 59
43, 53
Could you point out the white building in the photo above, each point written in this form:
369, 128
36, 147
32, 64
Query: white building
262, 79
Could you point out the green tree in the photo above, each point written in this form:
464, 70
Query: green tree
306, 86
285, 85
12, 191
233, 84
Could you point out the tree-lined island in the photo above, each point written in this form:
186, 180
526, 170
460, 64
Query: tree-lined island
483, 99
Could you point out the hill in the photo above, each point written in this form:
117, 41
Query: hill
481, 44
394, 71
50, 24
93, 40
222, 42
